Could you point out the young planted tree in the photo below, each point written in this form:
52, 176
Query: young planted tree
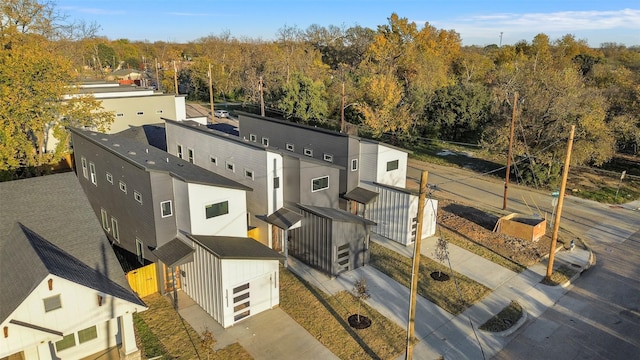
361, 292
441, 252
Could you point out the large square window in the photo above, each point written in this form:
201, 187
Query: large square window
213, 210
320, 183
392, 165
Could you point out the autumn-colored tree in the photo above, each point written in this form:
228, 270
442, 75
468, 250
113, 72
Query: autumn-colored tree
33, 80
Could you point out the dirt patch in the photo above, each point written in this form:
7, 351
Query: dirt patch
477, 226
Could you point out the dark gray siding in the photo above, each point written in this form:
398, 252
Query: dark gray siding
312, 242
291, 181
340, 146
317, 241
162, 186
323, 198
135, 220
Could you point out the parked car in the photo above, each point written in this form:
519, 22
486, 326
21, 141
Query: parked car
221, 113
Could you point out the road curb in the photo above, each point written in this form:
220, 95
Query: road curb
590, 263
513, 328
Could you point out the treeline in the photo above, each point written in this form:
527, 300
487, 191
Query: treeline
407, 83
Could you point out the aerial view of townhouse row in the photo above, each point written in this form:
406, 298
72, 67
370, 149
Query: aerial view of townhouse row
391, 191
213, 215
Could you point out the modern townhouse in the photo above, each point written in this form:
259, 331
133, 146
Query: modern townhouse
284, 184
193, 222
372, 176
64, 294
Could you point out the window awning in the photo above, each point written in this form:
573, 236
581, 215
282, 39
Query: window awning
285, 219
173, 253
361, 195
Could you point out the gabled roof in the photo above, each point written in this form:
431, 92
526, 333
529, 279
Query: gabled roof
175, 252
151, 159
47, 226
239, 248
335, 214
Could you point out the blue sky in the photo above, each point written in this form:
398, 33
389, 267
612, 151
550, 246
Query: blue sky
479, 22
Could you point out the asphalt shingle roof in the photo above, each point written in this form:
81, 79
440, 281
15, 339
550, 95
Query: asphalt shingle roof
47, 226
152, 159
242, 248
174, 252
336, 214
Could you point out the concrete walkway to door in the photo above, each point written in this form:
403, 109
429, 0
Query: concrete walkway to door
272, 334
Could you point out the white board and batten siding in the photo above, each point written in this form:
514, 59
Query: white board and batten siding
394, 212
374, 158
231, 290
234, 223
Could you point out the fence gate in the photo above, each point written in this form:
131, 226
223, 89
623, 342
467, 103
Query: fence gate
144, 280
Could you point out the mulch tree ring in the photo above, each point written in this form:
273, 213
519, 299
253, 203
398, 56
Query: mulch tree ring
439, 276
364, 322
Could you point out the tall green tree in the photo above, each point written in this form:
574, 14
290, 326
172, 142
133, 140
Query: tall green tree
303, 98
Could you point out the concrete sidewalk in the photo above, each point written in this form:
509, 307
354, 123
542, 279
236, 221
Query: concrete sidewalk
440, 333
272, 334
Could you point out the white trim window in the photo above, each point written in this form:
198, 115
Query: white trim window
253, 138
319, 184
213, 160
179, 151
166, 208
230, 166
265, 141
354, 164
249, 174
140, 251
92, 171
137, 196
290, 147
105, 220
328, 157
190, 154
308, 152
110, 178
123, 186
85, 171
115, 230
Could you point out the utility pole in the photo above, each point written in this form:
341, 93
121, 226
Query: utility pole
175, 76
157, 75
556, 221
411, 338
211, 92
342, 110
513, 123
261, 97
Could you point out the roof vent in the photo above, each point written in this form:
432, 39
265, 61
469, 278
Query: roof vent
132, 152
151, 162
116, 145
146, 150
104, 139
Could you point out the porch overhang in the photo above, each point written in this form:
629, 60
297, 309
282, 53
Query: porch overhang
361, 195
285, 219
175, 252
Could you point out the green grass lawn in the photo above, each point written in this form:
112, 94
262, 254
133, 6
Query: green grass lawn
441, 293
160, 331
325, 317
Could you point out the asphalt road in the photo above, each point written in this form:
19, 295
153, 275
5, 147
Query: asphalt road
599, 318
